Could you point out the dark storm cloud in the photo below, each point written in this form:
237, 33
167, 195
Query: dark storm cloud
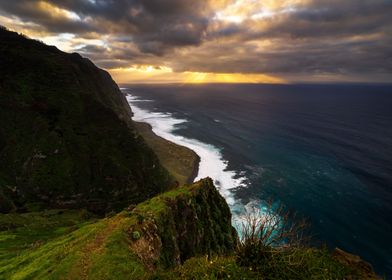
300, 57
320, 37
317, 19
310, 36
335, 18
31, 11
154, 25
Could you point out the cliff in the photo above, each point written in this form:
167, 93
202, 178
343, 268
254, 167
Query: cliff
189, 221
67, 141
154, 235
66, 137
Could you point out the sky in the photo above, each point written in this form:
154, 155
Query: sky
200, 41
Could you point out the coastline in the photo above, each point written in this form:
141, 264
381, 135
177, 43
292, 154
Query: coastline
180, 161
160, 125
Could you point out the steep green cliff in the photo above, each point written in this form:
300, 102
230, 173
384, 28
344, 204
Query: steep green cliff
66, 138
192, 220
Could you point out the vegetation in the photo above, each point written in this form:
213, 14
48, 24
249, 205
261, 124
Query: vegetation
271, 247
303, 264
134, 243
205, 267
66, 135
264, 231
19, 232
83, 252
180, 161
181, 234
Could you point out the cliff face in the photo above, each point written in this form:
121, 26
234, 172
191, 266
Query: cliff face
183, 223
159, 233
66, 138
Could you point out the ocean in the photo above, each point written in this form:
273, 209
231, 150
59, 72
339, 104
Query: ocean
323, 150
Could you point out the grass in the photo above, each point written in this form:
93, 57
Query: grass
117, 262
199, 268
180, 161
301, 264
91, 248
23, 231
74, 244
28, 241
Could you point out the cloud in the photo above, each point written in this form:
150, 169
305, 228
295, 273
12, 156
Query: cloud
153, 25
48, 16
314, 37
307, 38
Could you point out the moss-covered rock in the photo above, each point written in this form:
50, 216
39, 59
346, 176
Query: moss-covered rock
66, 135
193, 220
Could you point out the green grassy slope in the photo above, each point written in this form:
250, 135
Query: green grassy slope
66, 138
129, 245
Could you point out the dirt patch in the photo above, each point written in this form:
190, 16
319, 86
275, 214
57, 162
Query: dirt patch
146, 244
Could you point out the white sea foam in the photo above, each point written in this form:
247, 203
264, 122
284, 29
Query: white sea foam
131, 98
211, 164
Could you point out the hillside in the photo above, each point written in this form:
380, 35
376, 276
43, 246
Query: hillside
66, 135
157, 234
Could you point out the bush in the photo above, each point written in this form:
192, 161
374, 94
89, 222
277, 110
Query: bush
273, 244
136, 235
263, 232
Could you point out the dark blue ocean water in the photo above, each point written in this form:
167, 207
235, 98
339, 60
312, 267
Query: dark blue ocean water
323, 150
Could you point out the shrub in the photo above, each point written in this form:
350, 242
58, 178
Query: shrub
263, 232
136, 235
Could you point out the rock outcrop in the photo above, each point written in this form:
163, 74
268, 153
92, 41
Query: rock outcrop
360, 269
173, 227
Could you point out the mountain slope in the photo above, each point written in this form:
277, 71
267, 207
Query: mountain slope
66, 137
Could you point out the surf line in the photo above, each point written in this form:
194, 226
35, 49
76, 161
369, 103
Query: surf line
211, 164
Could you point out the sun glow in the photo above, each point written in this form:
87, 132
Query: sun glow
163, 74
241, 10
201, 77
57, 12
